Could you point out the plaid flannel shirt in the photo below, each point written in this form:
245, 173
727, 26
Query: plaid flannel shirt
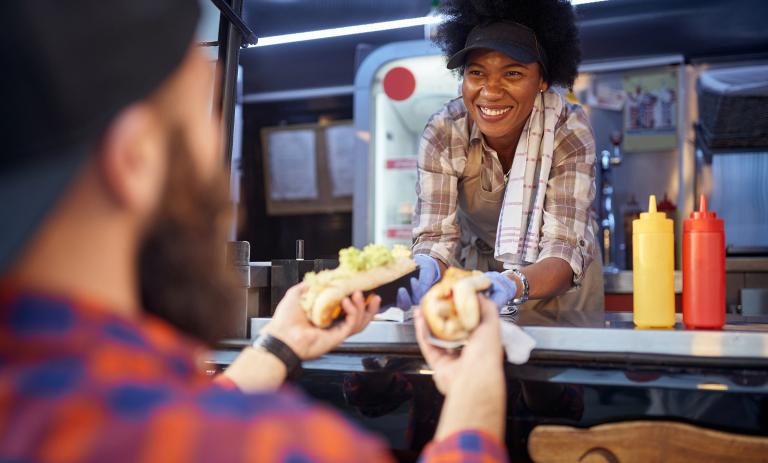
80, 384
567, 231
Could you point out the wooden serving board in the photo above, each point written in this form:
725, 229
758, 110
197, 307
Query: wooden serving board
643, 441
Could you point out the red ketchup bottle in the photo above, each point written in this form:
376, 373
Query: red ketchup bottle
703, 269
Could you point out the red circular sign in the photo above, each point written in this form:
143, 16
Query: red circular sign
399, 83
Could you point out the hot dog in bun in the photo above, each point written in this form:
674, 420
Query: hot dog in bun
451, 307
358, 270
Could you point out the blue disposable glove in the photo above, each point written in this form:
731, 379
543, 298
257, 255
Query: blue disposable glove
502, 289
429, 274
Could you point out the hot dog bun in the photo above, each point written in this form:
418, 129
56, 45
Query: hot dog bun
451, 307
363, 270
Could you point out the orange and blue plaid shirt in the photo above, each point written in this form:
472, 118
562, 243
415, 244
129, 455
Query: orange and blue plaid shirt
81, 384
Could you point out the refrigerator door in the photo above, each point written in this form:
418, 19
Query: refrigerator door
404, 94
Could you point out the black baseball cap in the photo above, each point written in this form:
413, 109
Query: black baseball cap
69, 67
511, 38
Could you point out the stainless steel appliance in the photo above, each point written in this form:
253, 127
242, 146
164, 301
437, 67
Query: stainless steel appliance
608, 160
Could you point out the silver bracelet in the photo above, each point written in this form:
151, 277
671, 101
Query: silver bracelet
524, 280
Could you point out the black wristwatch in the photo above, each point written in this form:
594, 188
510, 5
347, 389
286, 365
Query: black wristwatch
282, 351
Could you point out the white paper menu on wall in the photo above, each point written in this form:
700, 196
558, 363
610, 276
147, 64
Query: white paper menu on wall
340, 143
292, 165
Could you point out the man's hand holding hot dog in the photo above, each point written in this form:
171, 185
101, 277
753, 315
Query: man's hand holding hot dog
472, 379
255, 370
307, 323
291, 325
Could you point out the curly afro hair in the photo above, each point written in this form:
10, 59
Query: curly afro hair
553, 21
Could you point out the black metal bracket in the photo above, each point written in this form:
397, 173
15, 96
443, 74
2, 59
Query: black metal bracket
248, 36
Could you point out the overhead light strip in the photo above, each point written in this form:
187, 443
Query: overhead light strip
361, 29
349, 30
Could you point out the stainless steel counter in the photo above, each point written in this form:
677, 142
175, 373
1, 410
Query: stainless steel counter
738, 341
621, 282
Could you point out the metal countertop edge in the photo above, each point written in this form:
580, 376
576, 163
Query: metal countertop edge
400, 338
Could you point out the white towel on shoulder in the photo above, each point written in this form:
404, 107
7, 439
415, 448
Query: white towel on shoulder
518, 233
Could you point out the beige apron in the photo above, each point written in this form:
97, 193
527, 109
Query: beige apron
478, 216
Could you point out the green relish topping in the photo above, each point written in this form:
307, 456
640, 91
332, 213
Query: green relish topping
371, 256
352, 260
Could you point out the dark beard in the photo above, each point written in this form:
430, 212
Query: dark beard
183, 275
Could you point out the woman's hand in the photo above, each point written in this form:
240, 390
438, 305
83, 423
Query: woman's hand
290, 323
503, 289
429, 274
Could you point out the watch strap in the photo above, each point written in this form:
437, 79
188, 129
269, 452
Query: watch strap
280, 350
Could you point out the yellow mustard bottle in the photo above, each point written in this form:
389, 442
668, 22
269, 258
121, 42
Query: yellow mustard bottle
653, 261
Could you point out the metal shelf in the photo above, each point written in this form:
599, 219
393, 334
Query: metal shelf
708, 151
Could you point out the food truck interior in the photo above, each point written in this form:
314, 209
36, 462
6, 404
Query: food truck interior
323, 151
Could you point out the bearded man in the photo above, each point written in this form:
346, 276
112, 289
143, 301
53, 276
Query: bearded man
114, 217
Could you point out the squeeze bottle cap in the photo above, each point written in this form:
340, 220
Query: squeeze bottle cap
703, 220
652, 221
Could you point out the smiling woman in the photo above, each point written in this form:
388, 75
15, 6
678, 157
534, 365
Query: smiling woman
499, 93
506, 171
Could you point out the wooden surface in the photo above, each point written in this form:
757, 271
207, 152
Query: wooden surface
643, 441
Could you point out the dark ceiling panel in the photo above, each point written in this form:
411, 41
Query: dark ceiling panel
610, 29
275, 17
693, 28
